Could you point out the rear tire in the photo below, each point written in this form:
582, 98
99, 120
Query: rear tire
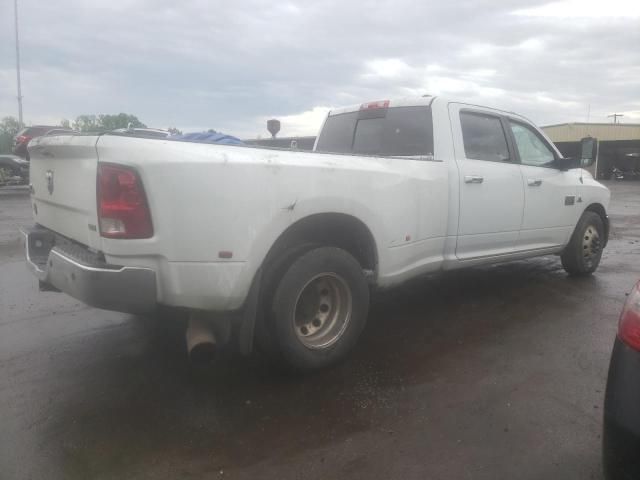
582, 255
319, 308
264, 331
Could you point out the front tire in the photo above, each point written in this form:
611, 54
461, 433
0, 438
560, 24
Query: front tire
582, 255
319, 308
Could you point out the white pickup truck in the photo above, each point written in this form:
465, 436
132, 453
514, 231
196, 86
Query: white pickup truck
284, 247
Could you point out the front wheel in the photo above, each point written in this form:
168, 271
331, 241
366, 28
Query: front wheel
582, 255
319, 308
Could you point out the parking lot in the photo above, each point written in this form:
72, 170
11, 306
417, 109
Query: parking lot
490, 373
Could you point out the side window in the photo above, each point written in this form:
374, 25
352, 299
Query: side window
531, 148
483, 137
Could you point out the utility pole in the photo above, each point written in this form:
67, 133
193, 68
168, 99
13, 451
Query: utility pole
615, 117
15, 3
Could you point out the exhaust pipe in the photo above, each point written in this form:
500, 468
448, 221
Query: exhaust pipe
201, 340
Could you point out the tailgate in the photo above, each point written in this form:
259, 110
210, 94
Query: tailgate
63, 180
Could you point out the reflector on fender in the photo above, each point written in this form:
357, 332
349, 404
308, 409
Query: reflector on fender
123, 211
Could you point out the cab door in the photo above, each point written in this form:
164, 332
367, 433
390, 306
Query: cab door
551, 208
491, 190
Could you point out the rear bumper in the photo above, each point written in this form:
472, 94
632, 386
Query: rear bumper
84, 275
621, 435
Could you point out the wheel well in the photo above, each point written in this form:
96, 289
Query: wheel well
599, 209
329, 229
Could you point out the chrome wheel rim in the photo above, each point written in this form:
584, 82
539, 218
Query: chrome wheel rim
322, 311
590, 245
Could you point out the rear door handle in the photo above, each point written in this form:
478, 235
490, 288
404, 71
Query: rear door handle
473, 179
534, 182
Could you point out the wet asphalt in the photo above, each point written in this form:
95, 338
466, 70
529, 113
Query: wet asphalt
489, 373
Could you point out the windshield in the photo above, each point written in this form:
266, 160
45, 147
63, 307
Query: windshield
393, 132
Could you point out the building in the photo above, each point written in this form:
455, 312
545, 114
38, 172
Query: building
618, 144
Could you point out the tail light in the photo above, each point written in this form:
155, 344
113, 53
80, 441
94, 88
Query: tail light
23, 139
629, 327
374, 105
123, 211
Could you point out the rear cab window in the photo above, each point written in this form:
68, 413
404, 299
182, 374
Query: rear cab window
389, 132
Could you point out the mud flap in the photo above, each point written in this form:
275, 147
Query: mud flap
245, 329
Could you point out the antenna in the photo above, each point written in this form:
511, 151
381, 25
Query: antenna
615, 117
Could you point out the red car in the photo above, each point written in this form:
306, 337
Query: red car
621, 439
24, 136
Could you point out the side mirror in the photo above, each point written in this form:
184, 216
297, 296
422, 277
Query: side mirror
588, 151
567, 163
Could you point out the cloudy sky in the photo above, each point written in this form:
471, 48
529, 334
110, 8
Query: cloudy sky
199, 64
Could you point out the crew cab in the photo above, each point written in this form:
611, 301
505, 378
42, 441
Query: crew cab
284, 247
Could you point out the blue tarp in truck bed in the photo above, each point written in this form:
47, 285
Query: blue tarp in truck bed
208, 137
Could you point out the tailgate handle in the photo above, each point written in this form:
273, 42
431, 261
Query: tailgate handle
534, 183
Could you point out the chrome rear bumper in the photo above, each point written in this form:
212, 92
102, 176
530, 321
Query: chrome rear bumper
83, 274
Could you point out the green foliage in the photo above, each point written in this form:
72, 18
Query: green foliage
86, 123
174, 131
9, 126
104, 123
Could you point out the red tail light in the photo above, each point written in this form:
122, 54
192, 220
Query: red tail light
629, 327
23, 139
123, 211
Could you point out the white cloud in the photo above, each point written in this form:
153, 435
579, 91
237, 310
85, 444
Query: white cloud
531, 45
584, 8
233, 66
388, 68
301, 124
630, 116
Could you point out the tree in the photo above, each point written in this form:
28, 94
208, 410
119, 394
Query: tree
64, 123
86, 123
174, 131
104, 123
9, 126
122, 120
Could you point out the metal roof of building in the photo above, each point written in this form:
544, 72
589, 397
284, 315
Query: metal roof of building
575, 131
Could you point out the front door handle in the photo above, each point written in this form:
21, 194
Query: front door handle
534, 183
473, 179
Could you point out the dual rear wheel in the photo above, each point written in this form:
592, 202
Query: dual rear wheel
318, 309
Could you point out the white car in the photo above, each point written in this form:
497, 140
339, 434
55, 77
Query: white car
285, 246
